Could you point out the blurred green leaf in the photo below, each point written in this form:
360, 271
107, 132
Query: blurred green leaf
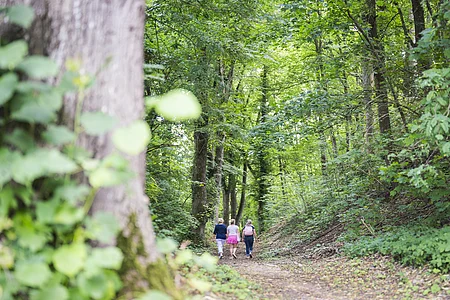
166, 245
34, 113
21, 15
6, 160
70, 259
8, 83
52, 292
94, 286
34, 274
12, 54
176, 105
7, 201
21, 139
97, 123
106, 177
68, 215
58, 135
154, 295
132, 139
45, 211
108, 258
38, 67
72, 193
103, 227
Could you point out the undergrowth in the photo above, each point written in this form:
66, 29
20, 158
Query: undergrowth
415, 245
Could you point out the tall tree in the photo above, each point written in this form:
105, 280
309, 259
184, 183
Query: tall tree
261, 153
101, 35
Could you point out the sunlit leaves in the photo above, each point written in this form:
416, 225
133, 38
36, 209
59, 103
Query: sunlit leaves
176, 105
132, 139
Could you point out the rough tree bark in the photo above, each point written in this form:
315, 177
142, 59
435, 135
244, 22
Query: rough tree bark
96, 32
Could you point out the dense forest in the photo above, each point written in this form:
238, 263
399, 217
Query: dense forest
129, 128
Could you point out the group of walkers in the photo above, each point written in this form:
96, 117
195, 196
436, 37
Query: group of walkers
232, 236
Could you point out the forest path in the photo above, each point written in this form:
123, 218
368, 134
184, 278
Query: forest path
277, 282
337, 277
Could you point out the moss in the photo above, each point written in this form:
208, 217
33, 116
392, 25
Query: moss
137, 276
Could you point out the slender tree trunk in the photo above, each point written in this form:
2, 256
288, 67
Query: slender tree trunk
243, 190
200, 209
334, 145
323, 153
261, 156
96, 33
381, 94
367, 89
348, 120
233, 196
226, 203
282, 177
218, 174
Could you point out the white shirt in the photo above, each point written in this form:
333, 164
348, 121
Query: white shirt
233, 230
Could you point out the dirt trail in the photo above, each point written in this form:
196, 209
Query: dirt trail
279, 283
339, 278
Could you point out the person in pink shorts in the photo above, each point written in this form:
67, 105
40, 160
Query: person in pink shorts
233, 238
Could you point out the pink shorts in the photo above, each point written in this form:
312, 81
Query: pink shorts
232, 239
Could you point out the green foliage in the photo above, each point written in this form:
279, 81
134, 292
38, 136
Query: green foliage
415, 246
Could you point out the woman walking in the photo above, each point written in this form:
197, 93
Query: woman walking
220, 230
233, 238
249, 236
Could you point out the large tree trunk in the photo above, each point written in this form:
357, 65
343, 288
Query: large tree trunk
97, 32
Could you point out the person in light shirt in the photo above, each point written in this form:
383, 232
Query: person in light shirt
232, 238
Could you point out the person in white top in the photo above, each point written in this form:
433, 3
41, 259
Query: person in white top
233, 238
